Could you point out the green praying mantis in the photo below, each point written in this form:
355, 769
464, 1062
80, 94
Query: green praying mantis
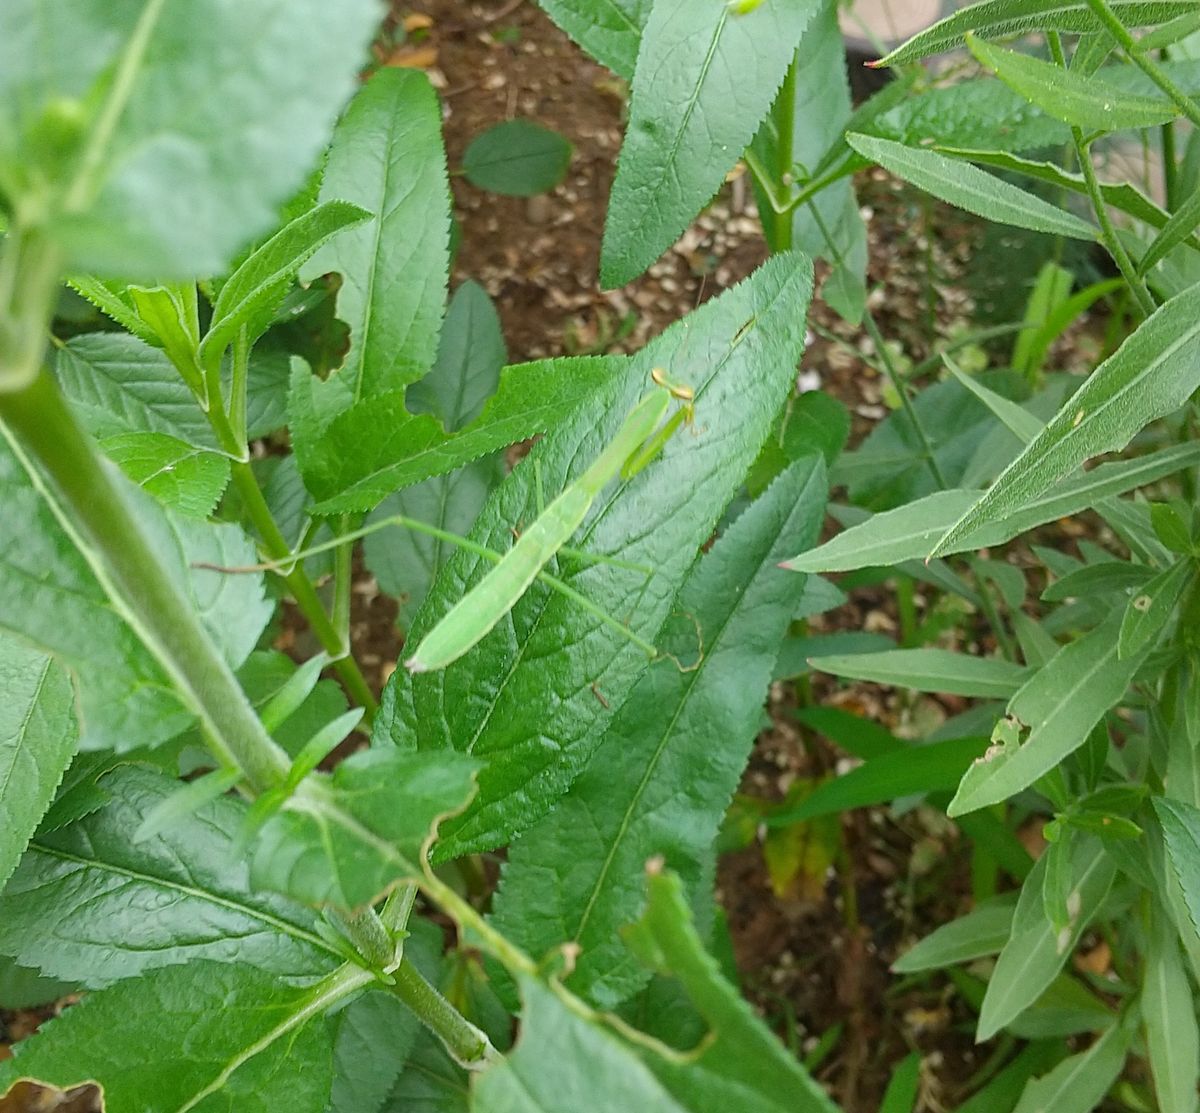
641, 437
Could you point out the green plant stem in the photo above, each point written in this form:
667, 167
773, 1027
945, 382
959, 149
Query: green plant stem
1136, 284
29, 268
785, 124
899, 386
47, 433
1121, 36
303, 591
468, 1046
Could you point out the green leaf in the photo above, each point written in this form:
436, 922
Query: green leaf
377, 446
114, 299
930, 670
671, 759
693, 110
1016, 419
1001, 18
535, 726
117, 384
936, 767
431, 1083
187, 479
1078, 1084
50, 596
1061, 703
609, 30
741, 1065
1105, 578
1177, 230
1181, 836
120, 908
250, 296
195, 158
387, 158
1084, 101
981, 932
348, 838
1151, 375
23, 989
971, 189
374, 1037
901, 1094
908, 532
1035, 952
201, 1037
38, 736
518, 158
1169, 1015
471, 355
1152, 606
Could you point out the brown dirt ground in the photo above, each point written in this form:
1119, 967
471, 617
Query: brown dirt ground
817, 955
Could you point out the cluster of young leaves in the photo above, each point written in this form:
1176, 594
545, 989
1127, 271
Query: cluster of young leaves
243, 935
1088, 717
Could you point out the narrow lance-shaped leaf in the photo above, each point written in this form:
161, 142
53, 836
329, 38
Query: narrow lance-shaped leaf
535, 727
1151, 375
37, 741
1078, 1084
1061, 703
187, 1033
982, 931
908, 532
253, 292
1152, 606
970, 188
1002, 18
1169, 1016
387, 158
1036, 952
1085, 101
930, 670
692, 113
672, 757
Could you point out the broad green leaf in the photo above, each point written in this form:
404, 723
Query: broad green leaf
1169, 1016
1060, 703
117, 384
374, 1036
981, 932
23, 989
187, 479
1151, 375
203, 1037
930, 670
195, 158
387, 158
470, 357
1152, 606
38, 736
741, 1065
969, 188
377, 446
671, 759
518, 158
431, 1083
1083, 101
1078, 1084
1001, 18
87, 904
250, 296
346, 839
692, 112
609, 30
1035, 952
50, 596
936, 767
535, 727
1181, 836
566, 1062
909, 531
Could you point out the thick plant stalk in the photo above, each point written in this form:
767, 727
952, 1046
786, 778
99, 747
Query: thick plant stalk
47, 433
